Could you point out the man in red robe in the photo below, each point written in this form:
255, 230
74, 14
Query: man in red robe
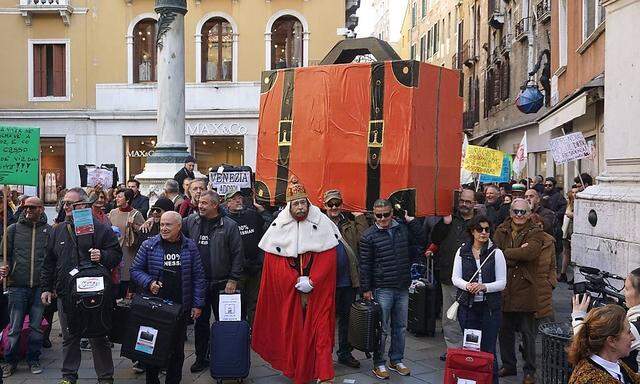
294, 323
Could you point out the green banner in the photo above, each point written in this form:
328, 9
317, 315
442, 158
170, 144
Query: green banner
19, 153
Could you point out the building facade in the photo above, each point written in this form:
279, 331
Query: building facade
388, 15
84, 72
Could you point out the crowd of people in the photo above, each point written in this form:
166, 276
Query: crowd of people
299, 268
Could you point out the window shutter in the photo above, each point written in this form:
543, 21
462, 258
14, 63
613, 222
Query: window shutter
59, 70
39, 72
496, 87
505, 82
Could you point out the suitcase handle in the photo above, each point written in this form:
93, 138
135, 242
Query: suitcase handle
429, 275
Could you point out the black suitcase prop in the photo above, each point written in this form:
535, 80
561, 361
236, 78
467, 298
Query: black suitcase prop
423, 303
365, 325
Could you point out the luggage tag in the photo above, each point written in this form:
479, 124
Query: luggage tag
472, 339
146, 341
466, 381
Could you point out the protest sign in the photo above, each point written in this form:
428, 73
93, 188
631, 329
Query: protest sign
483, 160
569, 147
83, 221
19, 154
100, 176
224, 182
505, 174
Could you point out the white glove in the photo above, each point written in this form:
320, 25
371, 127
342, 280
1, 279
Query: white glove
304, 284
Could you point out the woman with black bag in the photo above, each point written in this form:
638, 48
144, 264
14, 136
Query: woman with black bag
480, 274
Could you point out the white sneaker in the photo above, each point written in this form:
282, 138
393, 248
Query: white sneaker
381, 372
400, 368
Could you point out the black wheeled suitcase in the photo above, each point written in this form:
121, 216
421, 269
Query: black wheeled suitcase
151, 331
365, 325
121, 314
423, 305
230, 350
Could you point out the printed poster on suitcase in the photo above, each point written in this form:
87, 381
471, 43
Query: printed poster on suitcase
146, 342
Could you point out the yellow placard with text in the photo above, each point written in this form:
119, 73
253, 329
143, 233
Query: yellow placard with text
483, 160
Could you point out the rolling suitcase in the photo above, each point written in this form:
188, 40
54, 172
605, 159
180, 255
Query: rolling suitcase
423, 305
365, 325
151, 330
230, 350
121, 314
465, 364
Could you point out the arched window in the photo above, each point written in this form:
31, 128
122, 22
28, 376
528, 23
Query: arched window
144, 51
286, 43
217, 50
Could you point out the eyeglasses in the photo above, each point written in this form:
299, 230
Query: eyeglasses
548, 185
381, 215
466, 202
481, 229
155, 210
519, 212
68, 202
334, 204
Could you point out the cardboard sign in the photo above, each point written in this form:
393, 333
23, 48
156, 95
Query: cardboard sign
483, 160
229, 308
569, 147
223, 182
19, 154
83, 221
100, 176
90, 284
505, 174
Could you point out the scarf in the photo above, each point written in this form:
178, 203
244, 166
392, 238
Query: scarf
128, 208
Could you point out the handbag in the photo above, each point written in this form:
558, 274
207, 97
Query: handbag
452, 312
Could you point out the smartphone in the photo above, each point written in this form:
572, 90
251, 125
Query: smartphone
580, 289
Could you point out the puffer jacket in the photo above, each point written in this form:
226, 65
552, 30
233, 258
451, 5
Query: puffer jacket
521, 264
386, 255
546, 277
26, 248
148, 264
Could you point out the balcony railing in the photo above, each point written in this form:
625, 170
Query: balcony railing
469, 57
496, 15
523, 27
543, 10
455, 61
28, 8
505, 43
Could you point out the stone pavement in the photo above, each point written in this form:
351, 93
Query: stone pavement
421, 355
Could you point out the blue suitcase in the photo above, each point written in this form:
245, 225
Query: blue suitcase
230, 350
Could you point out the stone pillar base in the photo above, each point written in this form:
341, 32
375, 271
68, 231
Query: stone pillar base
161, 166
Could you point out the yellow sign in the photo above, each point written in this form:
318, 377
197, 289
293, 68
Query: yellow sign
483, 160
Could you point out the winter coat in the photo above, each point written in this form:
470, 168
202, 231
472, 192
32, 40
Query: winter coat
496, 213
226, 254
251, 226
141, 204
148, 265
557, 203
351, 228
66, 250
548, 219
386, 255
26, 248
181, 175
546, 277
449, 238
588, 372
521, 264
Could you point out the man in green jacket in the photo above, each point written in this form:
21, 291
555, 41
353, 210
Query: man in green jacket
26, 248
351, 227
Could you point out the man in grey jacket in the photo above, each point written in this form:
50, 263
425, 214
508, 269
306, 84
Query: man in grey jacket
220, 245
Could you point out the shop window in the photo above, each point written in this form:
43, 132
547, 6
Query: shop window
212, 151
144, 51
52, 168
136, 151
49, 70
217, 50
286, 43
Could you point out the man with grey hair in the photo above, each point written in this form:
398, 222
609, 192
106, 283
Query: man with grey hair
172, 192
220, 244
387, 250
521, 241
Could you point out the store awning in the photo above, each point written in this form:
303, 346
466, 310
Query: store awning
483, 141
571, 110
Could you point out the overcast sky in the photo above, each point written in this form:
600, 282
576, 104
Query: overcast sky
367, 18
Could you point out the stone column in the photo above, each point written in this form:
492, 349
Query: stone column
607, 216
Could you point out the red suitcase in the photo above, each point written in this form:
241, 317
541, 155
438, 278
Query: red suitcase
470, 365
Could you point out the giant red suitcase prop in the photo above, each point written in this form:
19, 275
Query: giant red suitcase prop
467, 364
384, 129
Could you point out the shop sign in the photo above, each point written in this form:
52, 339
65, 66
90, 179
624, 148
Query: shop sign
19, 155
215, 129
139, 153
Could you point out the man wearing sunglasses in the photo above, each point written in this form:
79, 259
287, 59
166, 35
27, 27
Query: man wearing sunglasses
351, 227
521, 241
26, 247
387, 250
553, 199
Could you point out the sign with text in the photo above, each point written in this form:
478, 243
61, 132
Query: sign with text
223, 182
569, 147
483, 160
19, 154
505, 174
83, 221
100, 176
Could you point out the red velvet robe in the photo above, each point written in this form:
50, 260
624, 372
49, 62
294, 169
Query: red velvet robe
298, 346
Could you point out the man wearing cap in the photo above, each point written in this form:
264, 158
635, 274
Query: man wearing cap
251, 225
220, 245
185, 172
351, 226
295, 318
65, 250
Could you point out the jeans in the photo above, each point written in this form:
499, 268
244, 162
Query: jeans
450, 328
525, 323
479, 316
394, 303
345, 296
174, 365
24, 301
202, 327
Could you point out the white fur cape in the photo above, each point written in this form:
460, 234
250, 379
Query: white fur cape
290, 238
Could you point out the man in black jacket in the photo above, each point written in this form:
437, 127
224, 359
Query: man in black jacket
554, 200
220, 245
65, 251
26, 247
496, 211
387, 250
186, 172
139, 201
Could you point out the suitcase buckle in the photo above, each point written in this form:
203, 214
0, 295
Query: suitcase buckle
375, 137
284, 133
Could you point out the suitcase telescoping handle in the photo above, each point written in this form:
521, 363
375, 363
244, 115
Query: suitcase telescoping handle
429, 275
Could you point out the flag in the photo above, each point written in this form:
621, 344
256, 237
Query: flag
466, 177
520, 159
